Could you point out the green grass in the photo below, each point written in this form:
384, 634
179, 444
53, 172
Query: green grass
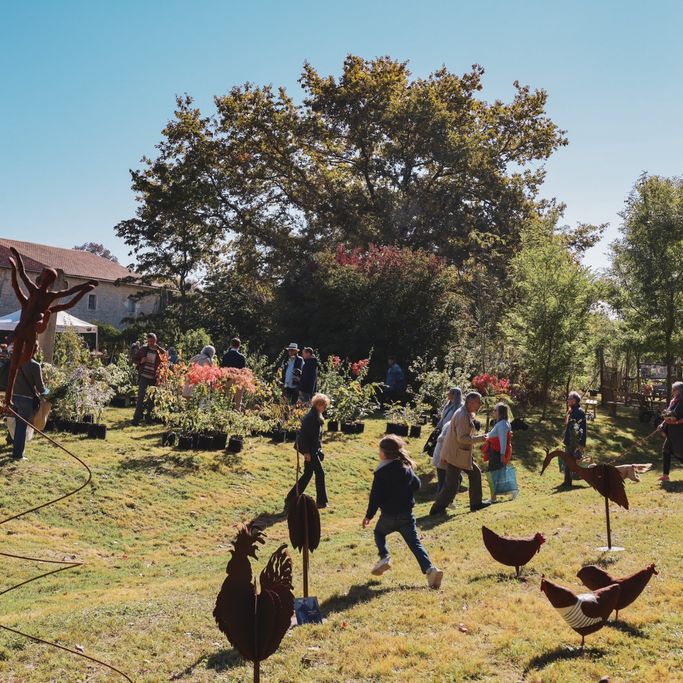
154, 528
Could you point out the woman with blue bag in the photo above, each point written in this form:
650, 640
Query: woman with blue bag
497, 450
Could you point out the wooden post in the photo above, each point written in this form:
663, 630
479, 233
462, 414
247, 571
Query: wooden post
47, 339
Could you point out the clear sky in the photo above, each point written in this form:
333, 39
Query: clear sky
87, 87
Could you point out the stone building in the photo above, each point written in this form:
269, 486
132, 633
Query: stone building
111, 302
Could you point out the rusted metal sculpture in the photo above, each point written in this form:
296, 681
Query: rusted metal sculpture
255, 621
606, 479
36, 309
303, 520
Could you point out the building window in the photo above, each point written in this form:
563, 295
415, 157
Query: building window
92, 302
132, 306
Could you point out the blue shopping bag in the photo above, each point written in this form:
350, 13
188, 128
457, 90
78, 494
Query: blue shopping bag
503, 480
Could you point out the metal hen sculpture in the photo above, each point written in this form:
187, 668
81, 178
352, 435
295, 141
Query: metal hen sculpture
36, 309
303, 521
606, 479
255, 621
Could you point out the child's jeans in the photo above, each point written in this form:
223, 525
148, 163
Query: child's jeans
405, 525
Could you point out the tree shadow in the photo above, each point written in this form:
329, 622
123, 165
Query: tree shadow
431, 521
562, 653
171, 465
360, 593
220, 661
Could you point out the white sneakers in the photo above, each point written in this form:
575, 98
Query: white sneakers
381, 566
434, 576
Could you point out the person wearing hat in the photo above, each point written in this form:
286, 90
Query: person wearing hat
574, 432
672, 428
291, 372
148, 360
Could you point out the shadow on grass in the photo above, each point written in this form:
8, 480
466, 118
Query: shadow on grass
431, 521
356, 595
267, 519
562, 653
673, 486
172, 465
223, 660
627, 628
505, 577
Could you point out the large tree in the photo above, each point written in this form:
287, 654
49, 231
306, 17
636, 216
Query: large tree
555, 294
647, 262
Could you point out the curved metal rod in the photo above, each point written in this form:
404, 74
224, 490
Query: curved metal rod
67, 565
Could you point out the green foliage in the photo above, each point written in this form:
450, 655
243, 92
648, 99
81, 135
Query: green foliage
71, 349
647, 264
192, 342
555, 294
434, 377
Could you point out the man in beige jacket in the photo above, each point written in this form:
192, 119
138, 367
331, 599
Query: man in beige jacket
456, 452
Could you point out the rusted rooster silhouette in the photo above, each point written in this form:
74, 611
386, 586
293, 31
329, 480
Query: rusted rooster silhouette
255, 621
606, 479
37, 308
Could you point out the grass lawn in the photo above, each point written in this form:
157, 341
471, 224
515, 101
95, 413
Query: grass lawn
153, 531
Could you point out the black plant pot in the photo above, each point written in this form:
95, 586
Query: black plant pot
220, 441
49, 426
278, 435
61, 425
435, 420
397, 428
333, 425
290, 435
593, 392
90, 419
349, 427
415, 431
204, 442
169, 438
185, 442
235, 444
360, 427
97, 431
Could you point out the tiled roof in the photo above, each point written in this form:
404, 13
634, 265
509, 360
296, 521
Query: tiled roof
73, 262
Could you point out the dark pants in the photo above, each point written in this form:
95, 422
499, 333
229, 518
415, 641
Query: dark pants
143, 403
24, 407
292, 394
567, 472
314, 466
450, 489
405, 525
305, 397
440, 480
668, 454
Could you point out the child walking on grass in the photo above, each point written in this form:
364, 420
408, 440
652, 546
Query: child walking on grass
392, 492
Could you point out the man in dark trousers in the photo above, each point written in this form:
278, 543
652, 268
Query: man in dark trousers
233, 357
309, 375
149, 359
27, 389
291, 373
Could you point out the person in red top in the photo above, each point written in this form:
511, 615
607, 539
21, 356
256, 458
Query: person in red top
148, 359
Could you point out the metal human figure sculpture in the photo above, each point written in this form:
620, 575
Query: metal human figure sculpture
36, 309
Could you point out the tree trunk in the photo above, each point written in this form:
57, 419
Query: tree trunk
546, 380
601, 365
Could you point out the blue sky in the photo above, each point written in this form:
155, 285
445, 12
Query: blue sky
87, 87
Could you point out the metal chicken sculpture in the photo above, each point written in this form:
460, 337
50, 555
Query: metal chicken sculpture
255, 621
606, 479
586, 612
36, 309
631, 586
303, 521
512, 552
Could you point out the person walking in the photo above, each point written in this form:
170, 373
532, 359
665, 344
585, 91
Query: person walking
672, 429
148, 360
28, 388
233, 357
291, 373
205, 357
395, 383
393, 489
574, 433
309, 375
309, 445
457, 453
498, 445
453, 402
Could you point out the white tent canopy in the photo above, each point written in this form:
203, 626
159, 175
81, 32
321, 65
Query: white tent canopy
64, 321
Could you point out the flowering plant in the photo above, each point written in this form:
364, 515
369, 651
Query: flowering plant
490, 385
